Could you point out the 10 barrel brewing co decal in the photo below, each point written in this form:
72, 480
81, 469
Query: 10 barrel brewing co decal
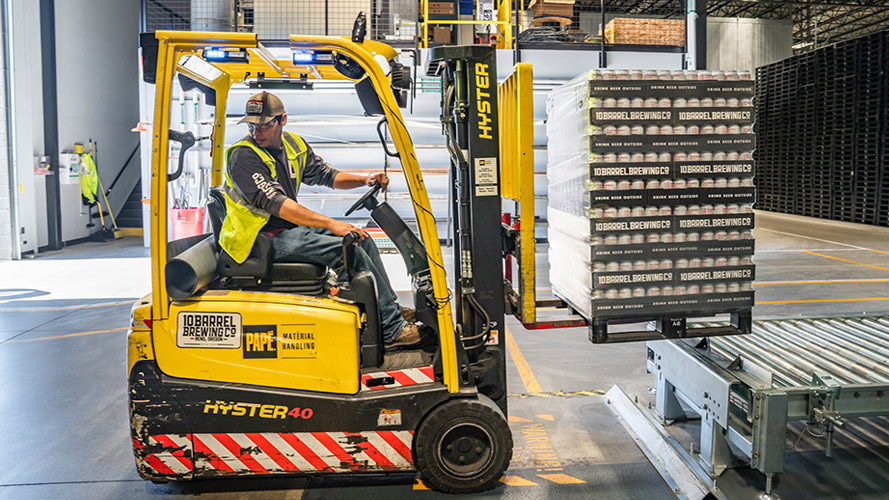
208, 330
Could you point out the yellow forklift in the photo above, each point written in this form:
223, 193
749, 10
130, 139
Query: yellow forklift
264, 368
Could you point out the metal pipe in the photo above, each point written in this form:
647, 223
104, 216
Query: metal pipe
790, 352
779, 378
8, 54
770, 359
869, 351
840, 357
778, 336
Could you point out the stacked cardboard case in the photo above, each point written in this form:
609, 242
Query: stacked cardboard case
651, 193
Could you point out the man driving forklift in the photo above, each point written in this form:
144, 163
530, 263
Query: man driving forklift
263, 174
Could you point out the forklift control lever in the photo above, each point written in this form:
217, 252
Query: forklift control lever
368, 200
349, 242
187, 140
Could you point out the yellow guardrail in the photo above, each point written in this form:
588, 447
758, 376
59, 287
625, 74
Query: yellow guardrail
503, 24
516, 115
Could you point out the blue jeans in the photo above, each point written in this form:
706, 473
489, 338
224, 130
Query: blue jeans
320, 246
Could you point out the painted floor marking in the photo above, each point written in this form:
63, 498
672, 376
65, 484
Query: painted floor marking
846, 260
65, 308
557, 394
546, 417
521, 364
68, 335
822, 282
420, 485
820, 300
517, 420
516, 481
561, 478
811, 238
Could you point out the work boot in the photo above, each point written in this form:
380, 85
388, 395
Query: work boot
409, 335
409, 314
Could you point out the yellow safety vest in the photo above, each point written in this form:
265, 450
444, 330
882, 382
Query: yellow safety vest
243, 221
89, 179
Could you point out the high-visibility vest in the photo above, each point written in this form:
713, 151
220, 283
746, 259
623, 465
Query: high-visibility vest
243, 221
89, 179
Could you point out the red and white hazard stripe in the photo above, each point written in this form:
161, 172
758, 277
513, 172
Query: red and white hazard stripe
174, 460
410, 376
275, 453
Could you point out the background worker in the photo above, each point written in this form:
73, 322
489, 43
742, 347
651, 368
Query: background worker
262, 178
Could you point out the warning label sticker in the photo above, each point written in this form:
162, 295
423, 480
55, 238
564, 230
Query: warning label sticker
208, 330
486, 176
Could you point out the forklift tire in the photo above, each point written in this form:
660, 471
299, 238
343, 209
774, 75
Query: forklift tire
463, 446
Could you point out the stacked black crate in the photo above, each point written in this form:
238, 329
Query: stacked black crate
806, 138
843, 110
785, 92
822, 171
870, 65
826, 157
669, 194
883, 142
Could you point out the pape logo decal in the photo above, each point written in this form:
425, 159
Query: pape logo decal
260, 341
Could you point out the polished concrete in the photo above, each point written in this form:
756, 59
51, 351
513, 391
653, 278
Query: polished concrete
63, 416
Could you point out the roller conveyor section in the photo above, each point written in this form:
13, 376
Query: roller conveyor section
746, 389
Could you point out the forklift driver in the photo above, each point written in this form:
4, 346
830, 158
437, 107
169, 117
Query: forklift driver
263, 173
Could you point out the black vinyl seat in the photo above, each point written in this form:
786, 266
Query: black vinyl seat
260, 269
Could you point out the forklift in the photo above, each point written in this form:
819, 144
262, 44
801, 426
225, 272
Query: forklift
268, 368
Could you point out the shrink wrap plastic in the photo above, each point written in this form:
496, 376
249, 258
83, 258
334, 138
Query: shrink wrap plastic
651, 192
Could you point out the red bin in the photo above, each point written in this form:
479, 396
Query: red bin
187, 222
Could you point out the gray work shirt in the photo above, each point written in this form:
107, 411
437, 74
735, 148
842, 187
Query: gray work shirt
254, 180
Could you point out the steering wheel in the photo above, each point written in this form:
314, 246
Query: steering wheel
368, 200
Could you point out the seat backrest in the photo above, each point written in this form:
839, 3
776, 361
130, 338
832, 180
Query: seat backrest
216, 209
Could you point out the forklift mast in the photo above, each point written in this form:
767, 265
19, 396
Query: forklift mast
469, 122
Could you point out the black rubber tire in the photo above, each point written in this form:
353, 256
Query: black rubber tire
472, 429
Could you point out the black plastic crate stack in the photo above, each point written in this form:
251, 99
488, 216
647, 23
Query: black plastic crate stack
822, 132
650, 200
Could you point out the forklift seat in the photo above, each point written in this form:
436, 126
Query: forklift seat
298, 277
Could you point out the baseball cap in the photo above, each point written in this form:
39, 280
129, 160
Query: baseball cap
262, 108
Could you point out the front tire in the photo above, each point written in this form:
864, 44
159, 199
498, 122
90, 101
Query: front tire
463, 446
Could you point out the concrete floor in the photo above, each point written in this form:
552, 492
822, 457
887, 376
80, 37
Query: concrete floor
63, 415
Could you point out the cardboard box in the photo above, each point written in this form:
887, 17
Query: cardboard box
440, 8
645, 31
552, 8
441, 34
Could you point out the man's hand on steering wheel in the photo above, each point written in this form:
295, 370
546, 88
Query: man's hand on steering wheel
380, 178
340, 228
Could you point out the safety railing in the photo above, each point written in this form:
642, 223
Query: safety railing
503, 22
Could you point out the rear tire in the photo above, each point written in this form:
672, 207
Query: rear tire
463, 446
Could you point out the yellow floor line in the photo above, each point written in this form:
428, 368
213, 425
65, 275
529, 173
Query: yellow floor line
820, 300
878, 251
825, 282
528, 378
65, 308
81, 334
561, 478
420, 485
546, 417
518, 420
846, 260
516, 481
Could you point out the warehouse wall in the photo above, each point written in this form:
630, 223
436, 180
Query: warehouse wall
739, 43
97, 76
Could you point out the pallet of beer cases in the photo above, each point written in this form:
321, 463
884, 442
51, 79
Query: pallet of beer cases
651, 199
